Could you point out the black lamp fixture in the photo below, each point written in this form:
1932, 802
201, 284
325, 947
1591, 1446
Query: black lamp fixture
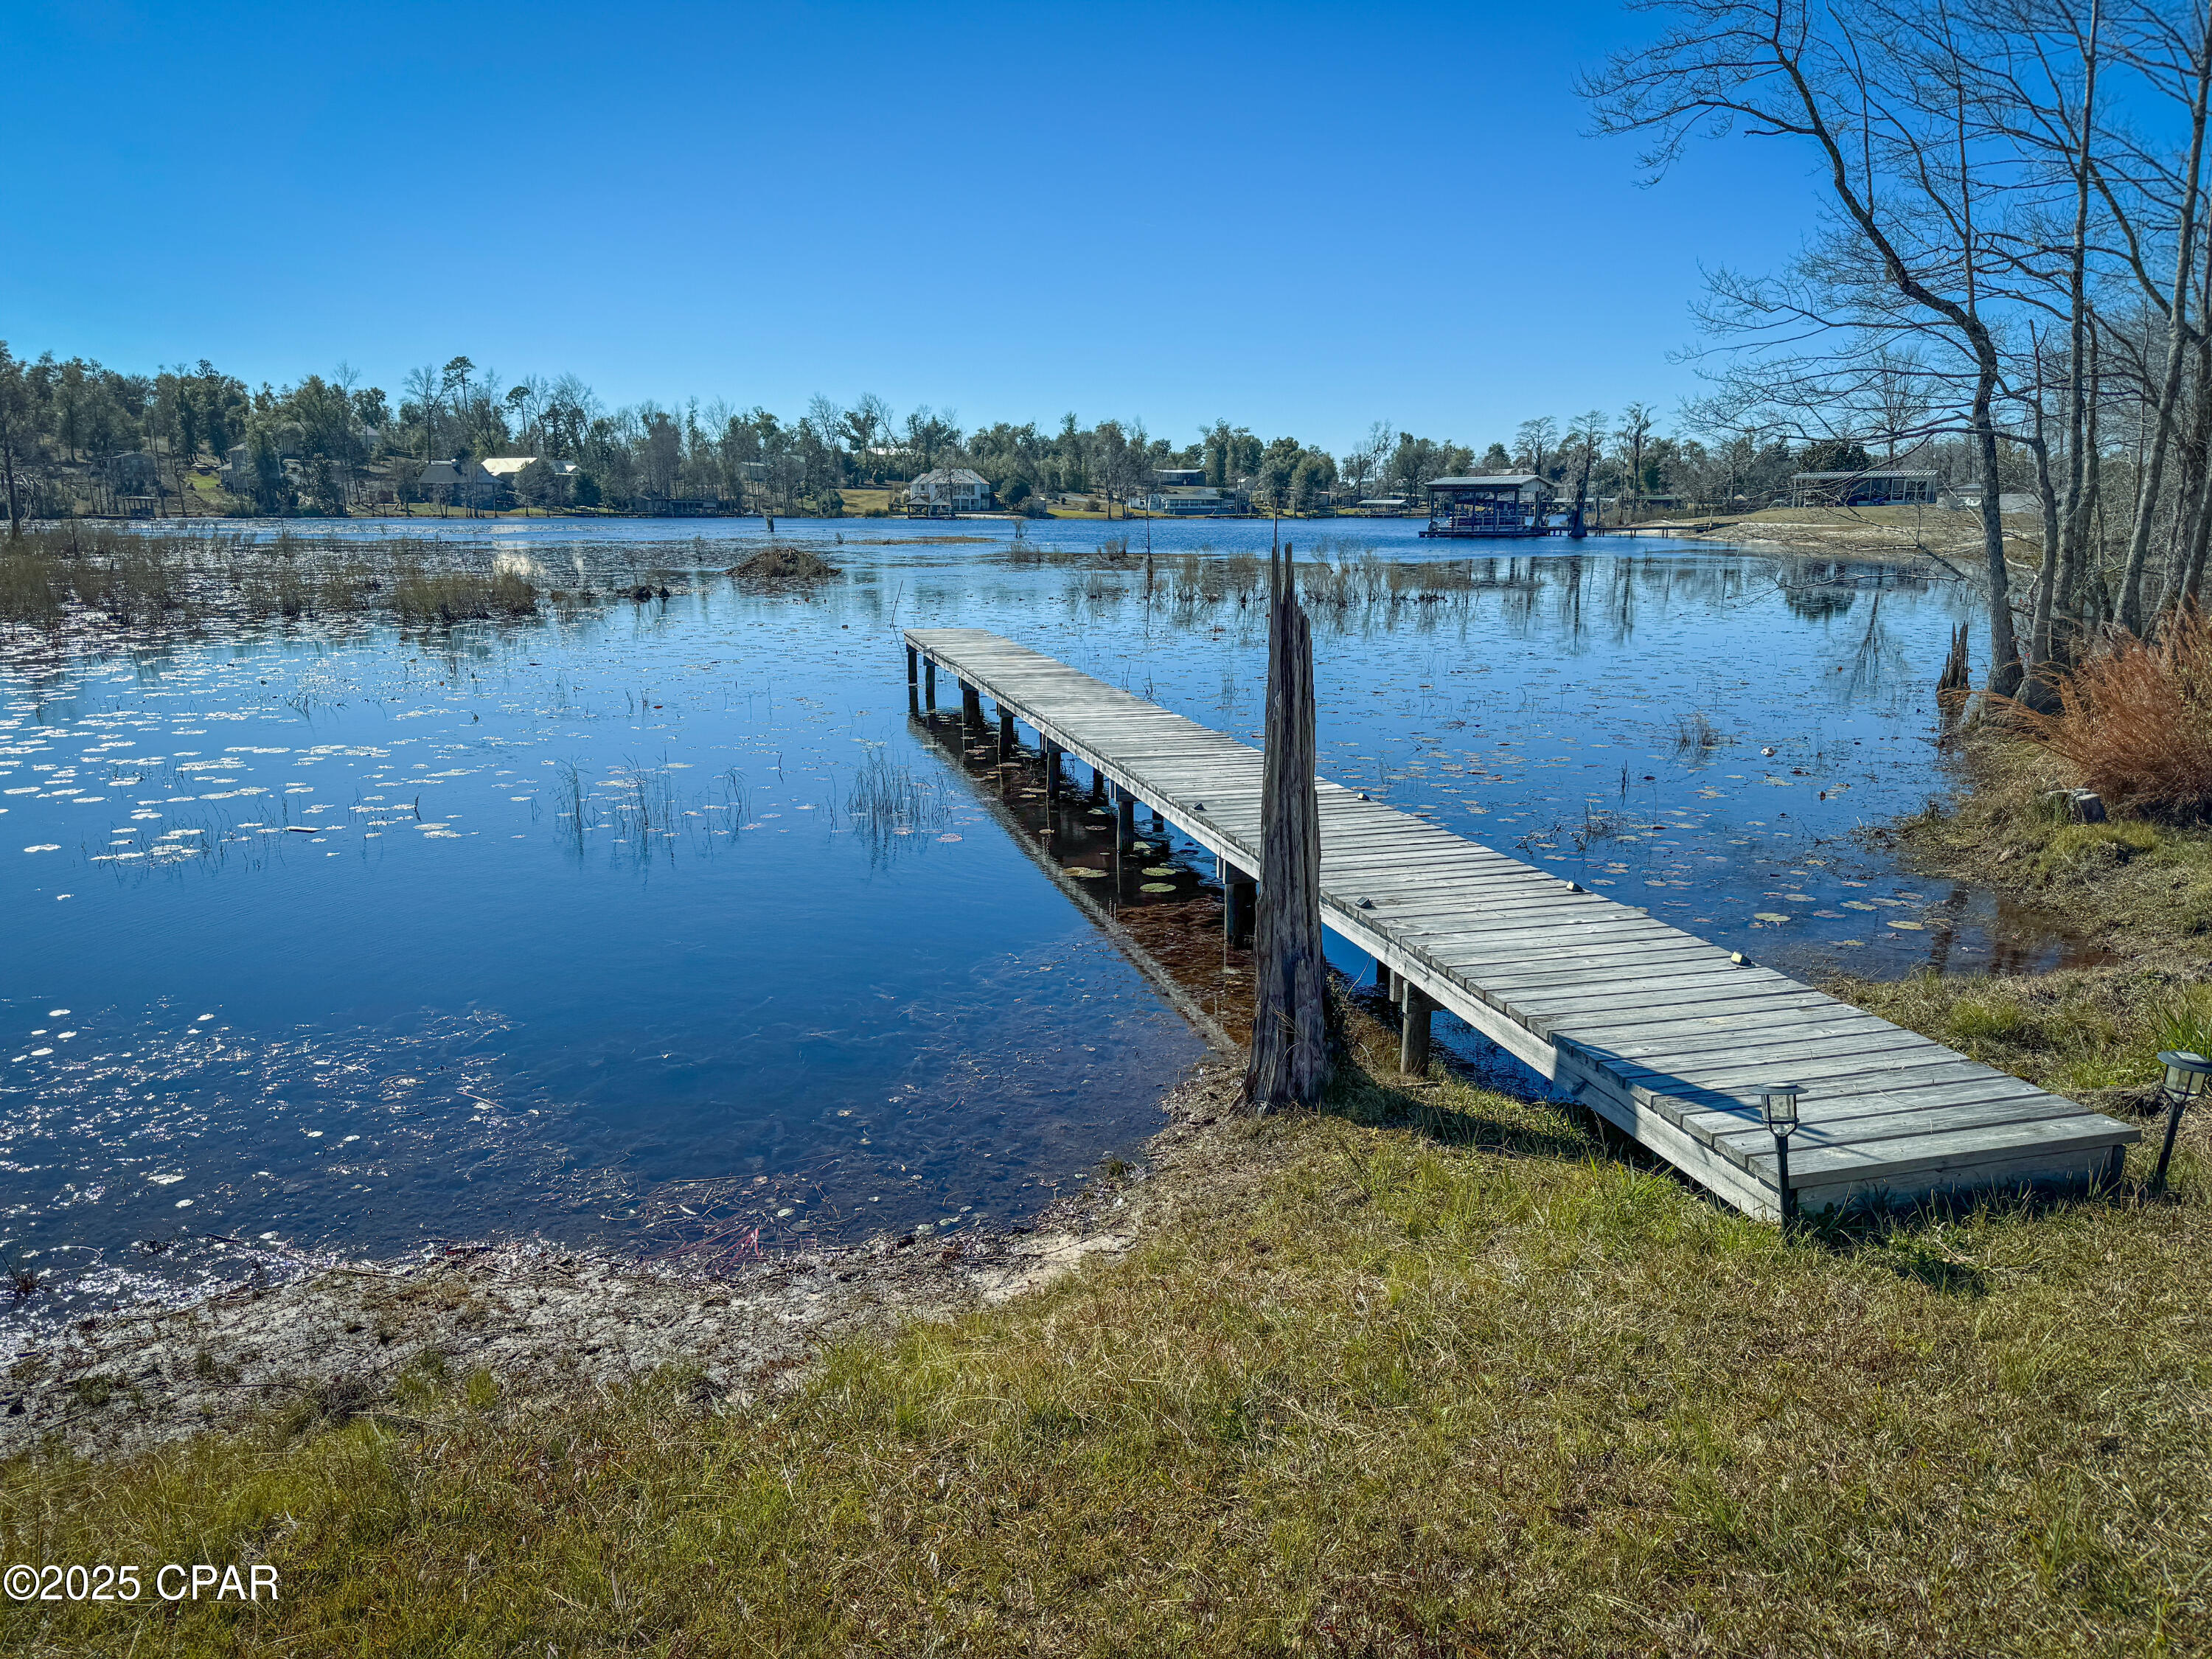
2187, 1076
1777, 1106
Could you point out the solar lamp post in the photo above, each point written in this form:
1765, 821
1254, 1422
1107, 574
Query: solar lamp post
1778, 1107
2187, 1076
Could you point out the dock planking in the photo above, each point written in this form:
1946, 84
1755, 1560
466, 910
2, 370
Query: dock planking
1667, 1036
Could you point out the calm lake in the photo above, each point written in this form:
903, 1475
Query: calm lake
648, 924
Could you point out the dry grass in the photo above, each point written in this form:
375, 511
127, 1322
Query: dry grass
100, 577
782, 565
2135, 720
1449, 1380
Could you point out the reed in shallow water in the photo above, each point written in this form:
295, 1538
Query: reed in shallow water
102, 578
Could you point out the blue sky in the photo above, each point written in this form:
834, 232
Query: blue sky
1304, 218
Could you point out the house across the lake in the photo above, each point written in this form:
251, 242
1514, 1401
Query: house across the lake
947, 492
1182, 492
1875, 487
1488, 504
458, 483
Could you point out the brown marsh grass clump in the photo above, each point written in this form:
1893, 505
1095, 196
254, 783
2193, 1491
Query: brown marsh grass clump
2136, 721
783, 565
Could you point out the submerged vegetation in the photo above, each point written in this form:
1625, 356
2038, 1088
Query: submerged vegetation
1433, 1372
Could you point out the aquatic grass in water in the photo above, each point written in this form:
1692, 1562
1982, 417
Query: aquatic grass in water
1694, 733
447, 597
885, 803
193, 577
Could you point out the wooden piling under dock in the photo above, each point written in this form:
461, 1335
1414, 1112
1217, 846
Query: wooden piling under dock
1666, 1036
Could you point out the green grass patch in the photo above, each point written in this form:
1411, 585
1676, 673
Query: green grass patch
2088, 1033
2138, 887
1442, 1373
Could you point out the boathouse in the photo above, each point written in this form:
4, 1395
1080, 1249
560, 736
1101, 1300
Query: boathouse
1488, 504
1877, 487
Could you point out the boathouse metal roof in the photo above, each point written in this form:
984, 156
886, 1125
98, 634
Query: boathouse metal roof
1494, 480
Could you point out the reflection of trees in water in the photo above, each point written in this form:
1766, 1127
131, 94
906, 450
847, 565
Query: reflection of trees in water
1820, 597
1571, 625
1569, 598
1817, 589
1878, 671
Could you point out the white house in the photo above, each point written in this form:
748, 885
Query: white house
948, 490
507, 470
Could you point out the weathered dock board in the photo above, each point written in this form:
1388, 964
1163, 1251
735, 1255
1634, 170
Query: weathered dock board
1667, 1036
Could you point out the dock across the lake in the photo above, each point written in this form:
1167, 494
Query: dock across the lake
1667, 1036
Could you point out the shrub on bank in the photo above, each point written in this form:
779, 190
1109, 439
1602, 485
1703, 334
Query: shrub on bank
2136, 721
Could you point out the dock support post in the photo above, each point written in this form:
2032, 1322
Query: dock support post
1005, 733
1052, 753
928, 683
1382, 981
1413, 1030
1097, 787
972, 707
913, 665
1125, 820
1243, 895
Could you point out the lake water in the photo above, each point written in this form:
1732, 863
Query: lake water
665, 926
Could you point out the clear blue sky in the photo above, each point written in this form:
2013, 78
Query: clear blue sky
1304, 218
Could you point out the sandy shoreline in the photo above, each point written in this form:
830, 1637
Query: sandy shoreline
343, 1341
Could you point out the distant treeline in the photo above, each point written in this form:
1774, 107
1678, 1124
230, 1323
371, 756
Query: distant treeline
76, 437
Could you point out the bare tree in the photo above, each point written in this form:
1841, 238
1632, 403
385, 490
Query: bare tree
1903, 181
1634, 433
1532, 442
1585, 438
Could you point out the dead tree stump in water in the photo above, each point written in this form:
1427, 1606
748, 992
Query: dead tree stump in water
1290, 1035
1956, 686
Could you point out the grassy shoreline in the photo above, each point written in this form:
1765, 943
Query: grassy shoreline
2135, 893
1435, 1371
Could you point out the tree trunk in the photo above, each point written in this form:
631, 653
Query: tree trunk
2046, 576
2081, 364
2189, 498
2176, 342
2004, 648
1290, 1046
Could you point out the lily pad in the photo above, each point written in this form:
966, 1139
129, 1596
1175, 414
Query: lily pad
1162, 870
1157, 887
1089, 875
1770, 917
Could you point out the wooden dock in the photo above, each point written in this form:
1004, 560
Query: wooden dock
1666, 1036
